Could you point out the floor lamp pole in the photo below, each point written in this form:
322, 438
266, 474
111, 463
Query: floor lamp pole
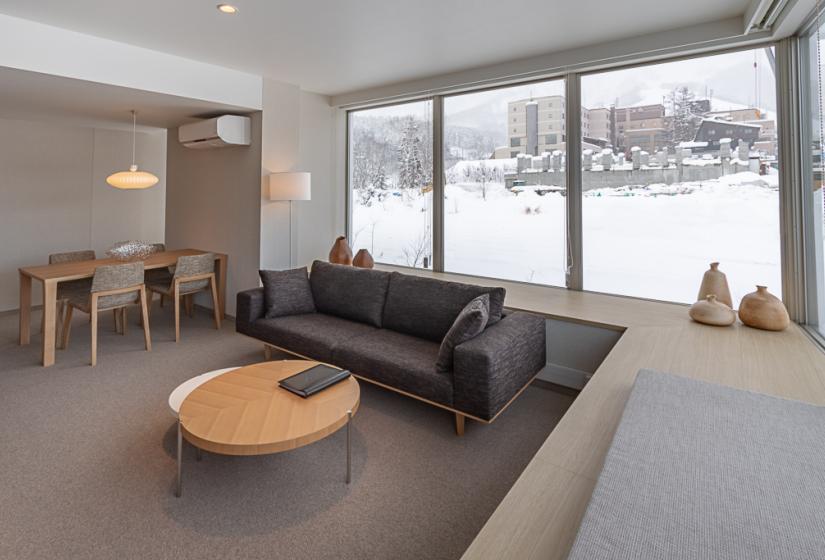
290, 234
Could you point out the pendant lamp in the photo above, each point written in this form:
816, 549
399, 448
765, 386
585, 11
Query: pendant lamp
132, 179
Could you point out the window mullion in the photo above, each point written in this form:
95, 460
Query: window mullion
438, 183
573, 146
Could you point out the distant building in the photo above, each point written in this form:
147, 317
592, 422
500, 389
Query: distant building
601, 123
713, 130
643, 126
535, 126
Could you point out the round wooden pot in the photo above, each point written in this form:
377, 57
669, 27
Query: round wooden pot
363, 259
710, 311
763, 310
714, 282
340, 252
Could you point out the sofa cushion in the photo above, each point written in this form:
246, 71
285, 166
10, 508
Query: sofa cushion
286, 292
469, 324
313, 335
427, 308
399, 361
352, 293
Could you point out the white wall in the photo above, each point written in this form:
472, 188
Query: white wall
299, 135
54, 198
213, 203
36, 47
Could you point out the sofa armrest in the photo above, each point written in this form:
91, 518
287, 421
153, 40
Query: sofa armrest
250, 308
491, 368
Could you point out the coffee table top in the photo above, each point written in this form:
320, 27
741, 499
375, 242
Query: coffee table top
245, 412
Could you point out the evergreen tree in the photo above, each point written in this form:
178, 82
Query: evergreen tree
410, 169
683, 121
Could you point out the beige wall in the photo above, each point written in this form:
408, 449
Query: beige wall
213, 203
53, 194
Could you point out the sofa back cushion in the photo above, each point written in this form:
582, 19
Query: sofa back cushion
427, 308
357, 294
286, 292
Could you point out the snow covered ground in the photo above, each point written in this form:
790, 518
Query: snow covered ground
654, 241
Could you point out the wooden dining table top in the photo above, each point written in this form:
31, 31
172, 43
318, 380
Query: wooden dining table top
86, 269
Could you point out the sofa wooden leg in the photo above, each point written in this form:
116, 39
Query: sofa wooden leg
459, 424
267, 352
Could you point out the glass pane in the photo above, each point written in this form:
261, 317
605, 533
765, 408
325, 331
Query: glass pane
814, 74
504, 193
680, 169
390, 177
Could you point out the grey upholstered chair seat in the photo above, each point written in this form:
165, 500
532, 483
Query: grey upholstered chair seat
84, 302
66, 290
167, 289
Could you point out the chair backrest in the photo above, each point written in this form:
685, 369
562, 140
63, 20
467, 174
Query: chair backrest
158, 247
72, 256
116, 277
194, 265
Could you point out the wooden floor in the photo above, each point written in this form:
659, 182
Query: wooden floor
541, 514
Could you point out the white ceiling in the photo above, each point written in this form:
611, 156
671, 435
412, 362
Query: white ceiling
335, 46
32, 96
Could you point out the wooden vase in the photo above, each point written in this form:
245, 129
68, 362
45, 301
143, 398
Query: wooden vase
710, 311
763, 310
714, 282
363, 259
340, 252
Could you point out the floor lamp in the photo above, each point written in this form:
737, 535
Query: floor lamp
287, 187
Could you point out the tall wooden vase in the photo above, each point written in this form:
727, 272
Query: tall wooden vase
715, 283
340, 252
763, 310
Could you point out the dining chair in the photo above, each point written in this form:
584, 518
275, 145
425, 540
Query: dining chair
113, 287
159, 275
194, 273
65, 289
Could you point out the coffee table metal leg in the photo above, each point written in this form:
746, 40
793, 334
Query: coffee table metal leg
349, 445
180, 446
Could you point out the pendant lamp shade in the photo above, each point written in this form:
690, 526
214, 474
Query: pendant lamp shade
132, 179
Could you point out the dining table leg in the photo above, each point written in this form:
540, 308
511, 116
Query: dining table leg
25, 308
49, 316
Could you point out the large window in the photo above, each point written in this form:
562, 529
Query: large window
680, 169
678, 162
390, 178
504, 209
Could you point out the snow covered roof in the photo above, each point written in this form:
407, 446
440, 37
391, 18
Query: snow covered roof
693, 144
735, 123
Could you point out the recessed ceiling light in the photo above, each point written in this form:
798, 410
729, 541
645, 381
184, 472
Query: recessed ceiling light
227, 9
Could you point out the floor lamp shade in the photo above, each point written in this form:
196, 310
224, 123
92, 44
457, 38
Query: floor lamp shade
289, 186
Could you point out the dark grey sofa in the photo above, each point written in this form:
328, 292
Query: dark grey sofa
386, 327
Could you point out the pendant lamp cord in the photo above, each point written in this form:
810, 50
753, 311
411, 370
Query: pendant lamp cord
134, 126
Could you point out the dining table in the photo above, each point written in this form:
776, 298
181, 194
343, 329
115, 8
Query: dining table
50, 275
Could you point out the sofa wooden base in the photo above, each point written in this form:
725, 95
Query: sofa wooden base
459, 416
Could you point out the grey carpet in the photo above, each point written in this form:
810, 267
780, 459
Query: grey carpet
87, 462
699, 471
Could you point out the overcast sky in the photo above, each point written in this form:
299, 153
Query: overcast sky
730, 80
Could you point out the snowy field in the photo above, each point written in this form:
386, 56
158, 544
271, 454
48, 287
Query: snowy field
650, 241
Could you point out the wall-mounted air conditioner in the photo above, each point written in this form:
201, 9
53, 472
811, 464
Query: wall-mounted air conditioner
228, 130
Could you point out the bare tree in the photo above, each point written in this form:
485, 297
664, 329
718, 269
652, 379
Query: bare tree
484, 175
418, 249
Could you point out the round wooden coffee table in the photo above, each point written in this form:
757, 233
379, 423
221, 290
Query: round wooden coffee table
245, 412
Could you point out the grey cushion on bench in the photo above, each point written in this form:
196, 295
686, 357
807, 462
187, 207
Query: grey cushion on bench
426, 307
701, 471
353, 293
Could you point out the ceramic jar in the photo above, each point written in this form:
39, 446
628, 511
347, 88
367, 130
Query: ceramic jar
363, 259
340, 252
714, 282
763, 310
710, 311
